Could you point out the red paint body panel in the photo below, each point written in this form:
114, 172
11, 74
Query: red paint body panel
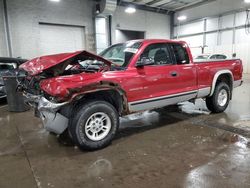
138, 83
207, 70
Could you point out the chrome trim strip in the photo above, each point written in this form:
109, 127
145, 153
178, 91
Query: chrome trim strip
161, 101
162, 97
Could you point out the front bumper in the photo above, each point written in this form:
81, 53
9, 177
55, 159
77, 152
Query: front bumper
52, 120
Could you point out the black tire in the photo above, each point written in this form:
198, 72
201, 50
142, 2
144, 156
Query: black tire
81, 115
212, 102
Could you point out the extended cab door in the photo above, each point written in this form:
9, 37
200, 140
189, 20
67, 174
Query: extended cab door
186, 79
165, 81
158, 73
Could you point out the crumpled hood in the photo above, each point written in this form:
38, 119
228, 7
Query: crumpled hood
39, 64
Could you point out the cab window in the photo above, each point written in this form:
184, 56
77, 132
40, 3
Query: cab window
157, 54
180, 54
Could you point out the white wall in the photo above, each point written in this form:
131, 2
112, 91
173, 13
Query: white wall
125, 35
153, 24
24, 18
54, 39
120, 36
213, 8
220, 37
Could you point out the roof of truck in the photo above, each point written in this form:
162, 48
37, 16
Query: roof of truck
157, 40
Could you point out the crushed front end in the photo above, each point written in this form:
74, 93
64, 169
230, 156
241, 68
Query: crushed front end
44, 106
48, 111
48, 84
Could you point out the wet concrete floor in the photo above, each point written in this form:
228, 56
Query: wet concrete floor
183, 146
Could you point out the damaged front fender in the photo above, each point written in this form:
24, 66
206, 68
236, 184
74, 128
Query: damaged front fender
61, 87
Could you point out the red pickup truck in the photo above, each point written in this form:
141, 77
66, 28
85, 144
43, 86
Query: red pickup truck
85, 94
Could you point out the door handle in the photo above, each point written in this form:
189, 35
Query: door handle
174, 74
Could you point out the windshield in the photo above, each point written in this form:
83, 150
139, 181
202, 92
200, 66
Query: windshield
121, 54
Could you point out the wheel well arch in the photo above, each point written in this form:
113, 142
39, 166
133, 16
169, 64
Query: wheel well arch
112, 96
222, 76
104, 90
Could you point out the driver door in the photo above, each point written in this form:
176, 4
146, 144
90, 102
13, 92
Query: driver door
159, 76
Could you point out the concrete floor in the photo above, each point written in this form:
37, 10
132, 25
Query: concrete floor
173, 147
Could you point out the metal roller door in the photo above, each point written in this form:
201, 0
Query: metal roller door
60, 38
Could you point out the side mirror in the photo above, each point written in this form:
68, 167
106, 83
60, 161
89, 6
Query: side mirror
144, 61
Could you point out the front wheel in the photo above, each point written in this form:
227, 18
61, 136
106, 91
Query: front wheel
94, 125
219, 101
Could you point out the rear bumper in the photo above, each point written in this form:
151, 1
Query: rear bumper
52, 120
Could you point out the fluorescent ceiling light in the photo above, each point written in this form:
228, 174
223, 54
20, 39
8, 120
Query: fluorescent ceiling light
247, 1
130, 10
182, 18
55, 0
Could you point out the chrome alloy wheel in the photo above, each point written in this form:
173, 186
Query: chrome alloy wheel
97, 126
222, 97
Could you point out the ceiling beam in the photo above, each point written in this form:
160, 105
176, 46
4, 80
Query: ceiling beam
142, 1
172, 2
147, 8
194, 4
153, 2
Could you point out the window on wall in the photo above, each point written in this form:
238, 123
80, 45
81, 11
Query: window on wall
157, 54
180, 54
101, 34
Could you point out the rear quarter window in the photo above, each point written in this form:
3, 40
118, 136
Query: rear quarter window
180, 54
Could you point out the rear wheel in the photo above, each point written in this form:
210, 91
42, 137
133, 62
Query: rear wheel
94, 125
219, 101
